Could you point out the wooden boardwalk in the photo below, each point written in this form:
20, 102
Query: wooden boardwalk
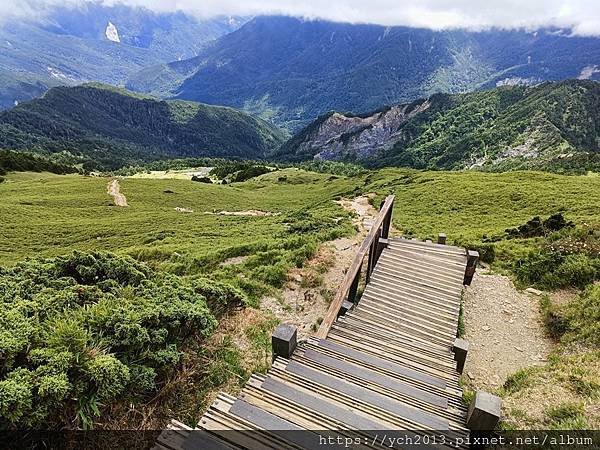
385, 362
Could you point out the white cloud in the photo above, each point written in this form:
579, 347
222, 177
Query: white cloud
582, 16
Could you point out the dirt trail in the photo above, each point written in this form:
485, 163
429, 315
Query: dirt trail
303, 303
114, 190
504, 330
250, 212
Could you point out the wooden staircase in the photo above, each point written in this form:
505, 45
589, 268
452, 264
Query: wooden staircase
383, 363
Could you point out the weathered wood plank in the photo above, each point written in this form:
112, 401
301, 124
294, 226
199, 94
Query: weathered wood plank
342, 292
419, 418
376, 378
385, 364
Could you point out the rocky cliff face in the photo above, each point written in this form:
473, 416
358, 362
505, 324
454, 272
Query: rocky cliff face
509, 127
343, 136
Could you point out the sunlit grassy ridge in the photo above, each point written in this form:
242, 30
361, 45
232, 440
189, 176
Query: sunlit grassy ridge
473, 204
50, 215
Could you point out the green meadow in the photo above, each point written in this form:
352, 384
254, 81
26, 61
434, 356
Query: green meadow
48, 215
270, 224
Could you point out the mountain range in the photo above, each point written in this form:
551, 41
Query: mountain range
363, 93
107, 127
507, 127
550, 126
290, 70
93, 42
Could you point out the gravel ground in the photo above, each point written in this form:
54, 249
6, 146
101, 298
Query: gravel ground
504, 330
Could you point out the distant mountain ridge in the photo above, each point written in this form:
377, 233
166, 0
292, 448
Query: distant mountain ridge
94, 42
290, 71
553, 124
109, 127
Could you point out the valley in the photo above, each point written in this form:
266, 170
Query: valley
101, 127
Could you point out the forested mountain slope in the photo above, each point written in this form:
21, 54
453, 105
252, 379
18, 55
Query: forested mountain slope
91, 41
109, 127
290, 70
550, 125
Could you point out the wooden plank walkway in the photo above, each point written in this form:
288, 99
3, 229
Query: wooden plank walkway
386, 364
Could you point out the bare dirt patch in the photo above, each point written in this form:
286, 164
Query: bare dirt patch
504, 329
114, 190
233, 261
365, 213
309, 291
250, 212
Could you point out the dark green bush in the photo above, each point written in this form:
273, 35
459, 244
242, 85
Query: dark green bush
273, 275
81, 331
576, 270
201, 179
551, 269
250, 172
11, 161
583, 317
238, 171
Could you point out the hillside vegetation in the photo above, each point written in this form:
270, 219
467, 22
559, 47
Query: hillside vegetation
554, 126
81, 331
214, 261
26, 162
109, 127
291, 71
141, 323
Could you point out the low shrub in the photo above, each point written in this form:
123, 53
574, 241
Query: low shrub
554, 318
583, 317
569, 257
201, 179
82, 331
551, 269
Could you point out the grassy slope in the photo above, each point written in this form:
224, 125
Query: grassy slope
48, 215
468, 205
44, 214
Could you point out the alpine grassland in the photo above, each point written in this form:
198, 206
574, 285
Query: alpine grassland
116, 316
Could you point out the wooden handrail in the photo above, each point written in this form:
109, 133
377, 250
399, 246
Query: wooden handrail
379, 230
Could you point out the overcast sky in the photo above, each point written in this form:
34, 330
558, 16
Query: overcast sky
582, 16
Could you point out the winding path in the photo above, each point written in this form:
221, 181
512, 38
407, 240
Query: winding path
114, 190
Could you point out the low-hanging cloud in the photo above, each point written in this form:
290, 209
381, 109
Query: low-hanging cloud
582, 17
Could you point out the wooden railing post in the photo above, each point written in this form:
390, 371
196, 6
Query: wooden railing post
484, 412
387, 221
354, 286
284, 340
373, 254
472, 258
371, 247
